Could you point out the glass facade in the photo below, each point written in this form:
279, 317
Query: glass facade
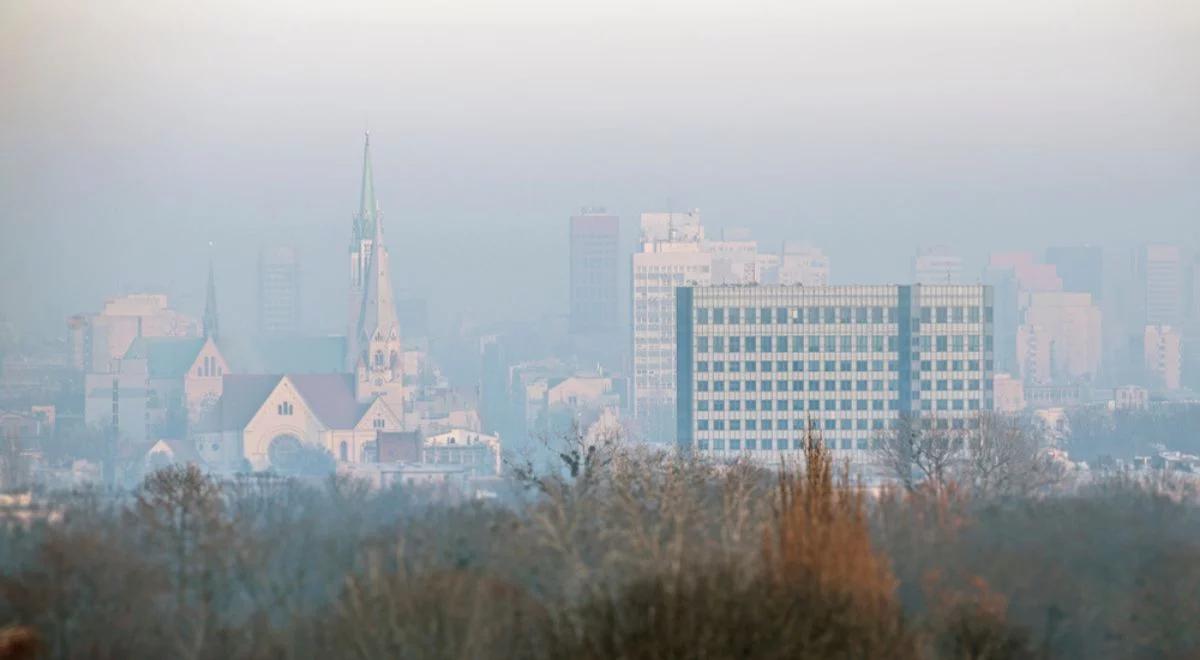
757, 364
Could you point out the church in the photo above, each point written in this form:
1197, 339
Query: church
273, 421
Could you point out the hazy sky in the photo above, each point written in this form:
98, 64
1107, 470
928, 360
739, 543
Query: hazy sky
132, 133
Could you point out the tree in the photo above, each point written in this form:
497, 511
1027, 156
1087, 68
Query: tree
917, 452
1004, 456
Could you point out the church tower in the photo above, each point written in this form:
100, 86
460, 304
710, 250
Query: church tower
361, 239
375, 339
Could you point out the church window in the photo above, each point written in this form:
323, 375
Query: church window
344, 451
285, 408
379, 358
379, 422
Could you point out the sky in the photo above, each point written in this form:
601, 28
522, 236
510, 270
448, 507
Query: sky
134, 133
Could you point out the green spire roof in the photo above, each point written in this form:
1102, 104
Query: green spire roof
368, 208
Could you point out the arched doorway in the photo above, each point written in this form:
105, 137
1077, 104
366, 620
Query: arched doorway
284, 453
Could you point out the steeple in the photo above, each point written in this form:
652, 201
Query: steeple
377, 317
368, 210
211, 326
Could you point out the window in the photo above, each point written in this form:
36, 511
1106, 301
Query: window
344, 451
718, 316
735, 344
285, 408
702, 344
378, 423
751, 344
765, 315
701, 317
764, 344
781, 343
750, 312
734, 316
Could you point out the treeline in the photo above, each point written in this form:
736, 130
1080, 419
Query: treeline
625, 554
1096, 434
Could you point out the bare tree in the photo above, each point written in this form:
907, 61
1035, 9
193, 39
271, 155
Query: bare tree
1004, 456
917, 452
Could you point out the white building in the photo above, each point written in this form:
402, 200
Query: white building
760, 365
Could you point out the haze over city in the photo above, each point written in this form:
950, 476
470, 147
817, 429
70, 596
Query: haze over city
599, 330
135, 133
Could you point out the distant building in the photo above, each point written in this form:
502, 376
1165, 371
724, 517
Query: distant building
95, 340
671, 255
1163, 355
1160, 272
759, 365
479, 453
1059, 340
1131, 397
595, 254
269, 422
1009, 393
937, 265
278, 291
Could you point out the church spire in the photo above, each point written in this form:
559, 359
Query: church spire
377, 317
368, 209
211, 326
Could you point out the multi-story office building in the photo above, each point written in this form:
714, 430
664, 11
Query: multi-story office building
278, 291
595, 246
759, 364
1059, 340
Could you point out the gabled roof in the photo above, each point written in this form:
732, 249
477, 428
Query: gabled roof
166, 357
331, 398
242, 396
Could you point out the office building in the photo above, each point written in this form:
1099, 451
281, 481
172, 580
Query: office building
759, 364
278, 291
595, 248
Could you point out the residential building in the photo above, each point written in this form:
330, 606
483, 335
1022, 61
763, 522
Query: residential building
760, 365
278, 291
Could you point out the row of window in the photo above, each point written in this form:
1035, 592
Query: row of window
767, 366
838, 314
795, 424
836, 385
836, 343
703, 407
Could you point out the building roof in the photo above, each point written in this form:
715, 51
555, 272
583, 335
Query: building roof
166, 357
330, 397
242, 396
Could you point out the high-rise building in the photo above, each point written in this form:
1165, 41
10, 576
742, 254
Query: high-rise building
937, 265
278, 291
595, 249
671, 255
1160, 274
759, 365
798, 263
1081, 268
1059, 339
1162, 352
